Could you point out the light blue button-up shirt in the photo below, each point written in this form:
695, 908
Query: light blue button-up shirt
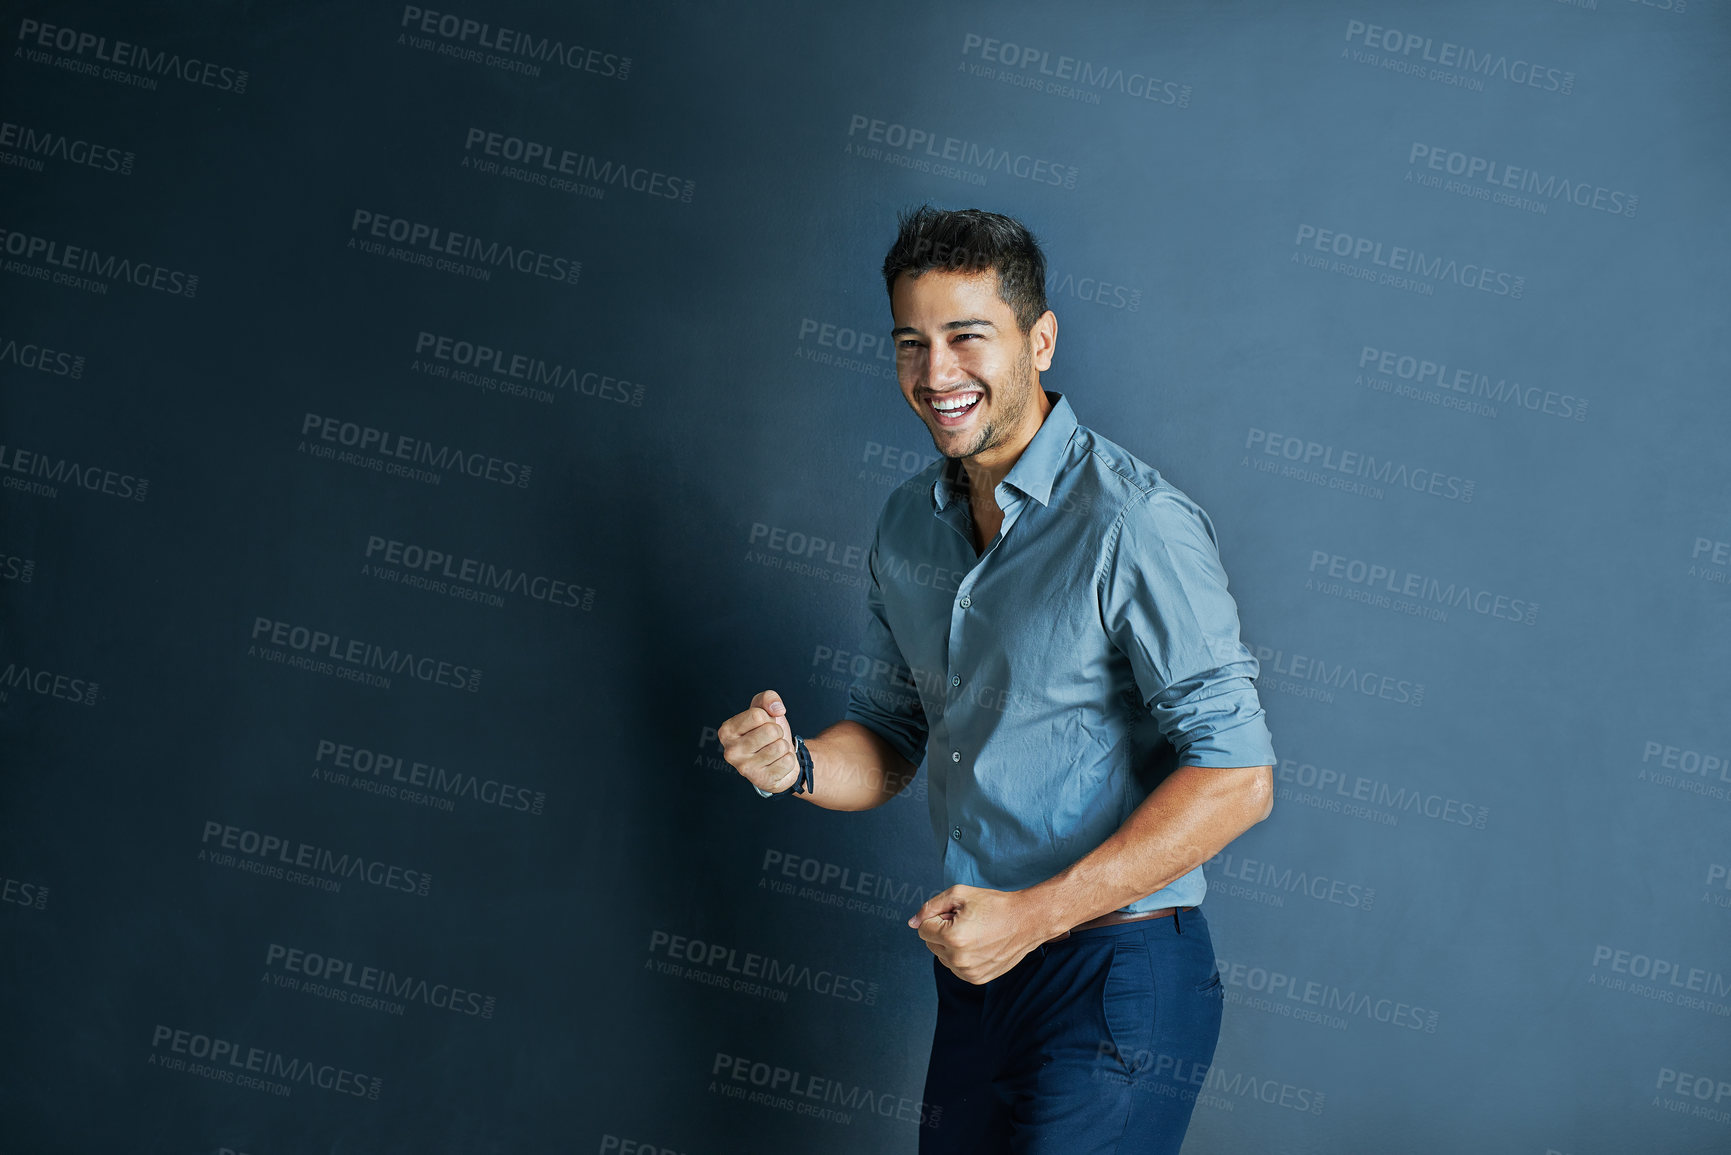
1054, 680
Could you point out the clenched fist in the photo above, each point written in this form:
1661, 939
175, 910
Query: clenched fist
758, 743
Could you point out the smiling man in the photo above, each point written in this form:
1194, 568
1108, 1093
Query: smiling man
1064, 655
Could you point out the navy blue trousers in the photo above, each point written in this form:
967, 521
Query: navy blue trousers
1095, 1044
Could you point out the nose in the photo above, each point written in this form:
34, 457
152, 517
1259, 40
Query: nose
943, 367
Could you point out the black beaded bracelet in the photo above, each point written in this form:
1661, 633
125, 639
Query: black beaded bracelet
804, 784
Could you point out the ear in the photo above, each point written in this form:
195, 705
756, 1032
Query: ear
1043, 340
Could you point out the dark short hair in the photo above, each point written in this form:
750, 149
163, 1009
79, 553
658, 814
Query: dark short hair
972, 241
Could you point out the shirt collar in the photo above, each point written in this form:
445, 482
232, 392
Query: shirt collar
1037, 467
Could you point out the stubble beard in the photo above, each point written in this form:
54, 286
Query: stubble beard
994, 430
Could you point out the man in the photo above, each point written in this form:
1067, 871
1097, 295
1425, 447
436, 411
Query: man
1067, 658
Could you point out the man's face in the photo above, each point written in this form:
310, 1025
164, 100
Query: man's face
963, 364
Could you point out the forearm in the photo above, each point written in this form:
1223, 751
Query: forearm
854, 769
1185, 821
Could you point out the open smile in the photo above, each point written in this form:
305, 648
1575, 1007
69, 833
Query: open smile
953, 409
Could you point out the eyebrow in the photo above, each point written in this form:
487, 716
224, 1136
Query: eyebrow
949, 326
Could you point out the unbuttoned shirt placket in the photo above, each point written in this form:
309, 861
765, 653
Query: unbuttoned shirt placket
957, 515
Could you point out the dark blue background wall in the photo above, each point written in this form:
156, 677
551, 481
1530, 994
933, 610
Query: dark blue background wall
418, 436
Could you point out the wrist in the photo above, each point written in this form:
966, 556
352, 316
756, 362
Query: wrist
1048, 908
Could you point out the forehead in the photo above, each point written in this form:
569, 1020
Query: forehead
937, 294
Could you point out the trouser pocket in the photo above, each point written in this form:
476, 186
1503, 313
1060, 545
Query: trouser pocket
1128, 1004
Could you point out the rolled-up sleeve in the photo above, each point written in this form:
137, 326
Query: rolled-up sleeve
1163, 600
883, 696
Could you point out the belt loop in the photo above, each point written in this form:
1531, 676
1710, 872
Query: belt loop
1175, 925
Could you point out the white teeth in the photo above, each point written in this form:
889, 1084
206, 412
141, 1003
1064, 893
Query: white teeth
955, 406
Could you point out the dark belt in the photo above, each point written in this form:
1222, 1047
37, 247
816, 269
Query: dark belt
1113, 917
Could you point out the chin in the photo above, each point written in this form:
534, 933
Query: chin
976, 443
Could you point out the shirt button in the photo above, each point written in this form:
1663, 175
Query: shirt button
966, 601
955, 755
956, 833
955, 679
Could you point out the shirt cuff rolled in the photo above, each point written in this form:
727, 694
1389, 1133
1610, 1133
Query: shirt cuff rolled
1216, 722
